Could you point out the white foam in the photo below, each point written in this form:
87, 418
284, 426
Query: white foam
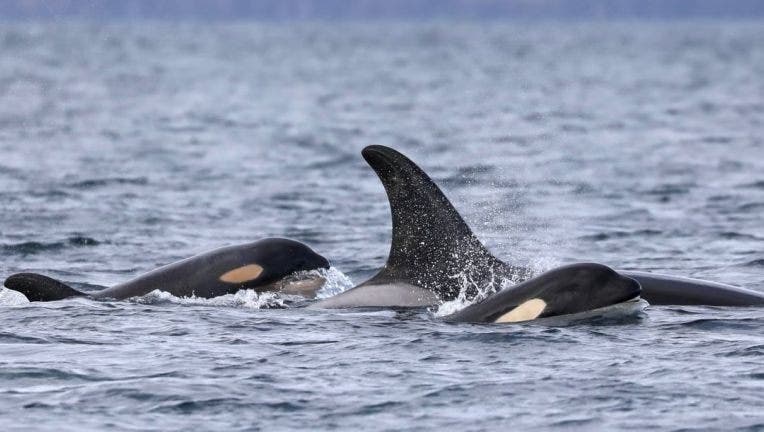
536, 266
12, 298
481, 292
243, 298
336, 282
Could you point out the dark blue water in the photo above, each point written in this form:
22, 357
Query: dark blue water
124, 147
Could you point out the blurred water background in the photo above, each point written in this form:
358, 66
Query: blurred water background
125, 145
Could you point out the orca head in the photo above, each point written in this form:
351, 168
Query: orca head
586, 286
271, 264
432, 246
570, 289
566, 290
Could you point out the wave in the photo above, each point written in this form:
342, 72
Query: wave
614, 314
759, 184
734, 235
336, 282
243, 298
718, 324
101, 182
11, 298
607, 235
34, 247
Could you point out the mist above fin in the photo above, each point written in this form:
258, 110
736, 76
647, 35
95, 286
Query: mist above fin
432, 246
37, 287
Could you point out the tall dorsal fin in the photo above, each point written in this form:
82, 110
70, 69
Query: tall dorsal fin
432, 245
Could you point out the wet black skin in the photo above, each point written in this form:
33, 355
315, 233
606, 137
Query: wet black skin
566, 290
660, 289
196, 276
432, 243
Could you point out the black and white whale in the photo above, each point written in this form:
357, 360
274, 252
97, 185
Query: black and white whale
434, 256
567, 290
433, 252
271, 264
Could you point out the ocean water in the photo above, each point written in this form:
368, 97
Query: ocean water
127, 146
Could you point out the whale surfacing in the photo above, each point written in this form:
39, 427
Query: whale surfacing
433, 250
566, 290
264, 265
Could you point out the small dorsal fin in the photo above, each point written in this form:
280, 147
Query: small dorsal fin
431, 245
37, 287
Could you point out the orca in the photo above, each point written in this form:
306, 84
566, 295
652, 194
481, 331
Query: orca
434, 256
660, 289
271, 264
566, 290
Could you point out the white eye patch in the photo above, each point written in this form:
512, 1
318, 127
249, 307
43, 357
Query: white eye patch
526, 311
242, 274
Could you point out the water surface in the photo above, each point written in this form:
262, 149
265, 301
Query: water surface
125, 147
